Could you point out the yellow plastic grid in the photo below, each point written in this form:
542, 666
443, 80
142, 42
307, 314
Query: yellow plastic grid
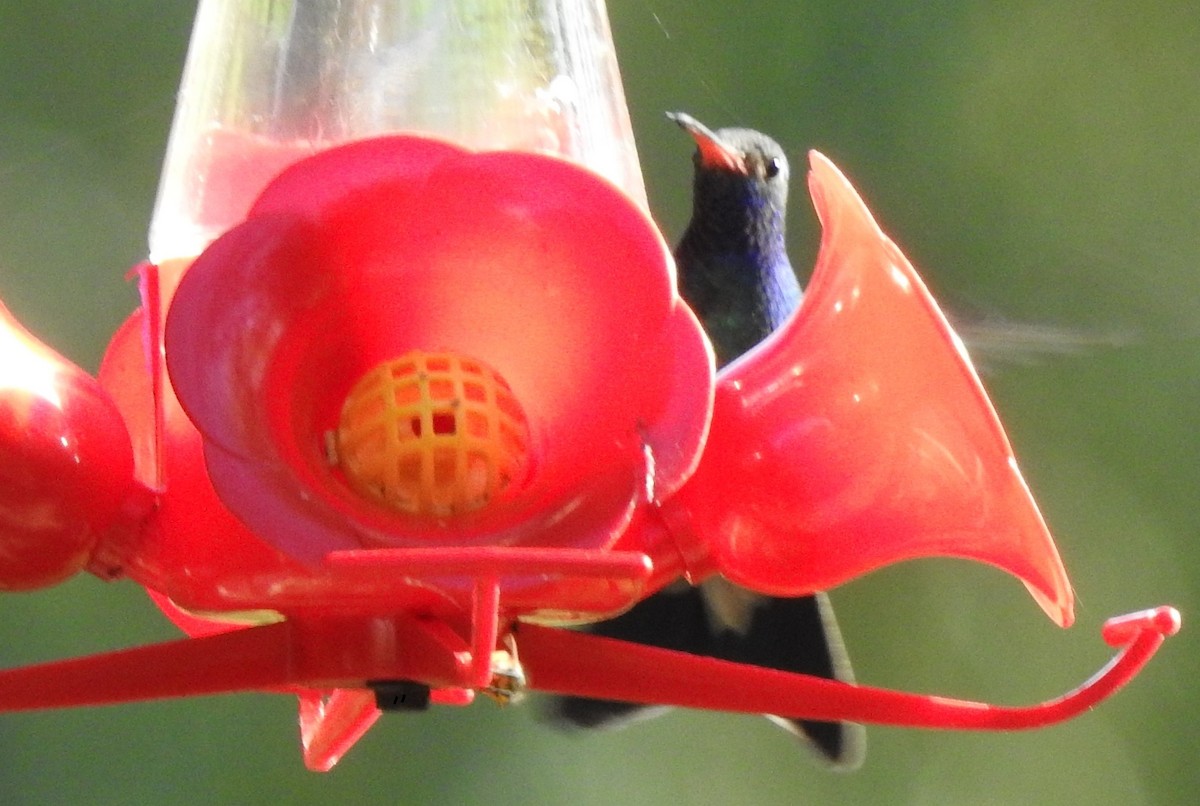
432, 434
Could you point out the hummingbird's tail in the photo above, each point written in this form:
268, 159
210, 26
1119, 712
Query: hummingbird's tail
720, 620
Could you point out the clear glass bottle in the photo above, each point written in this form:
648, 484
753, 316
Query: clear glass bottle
270, 81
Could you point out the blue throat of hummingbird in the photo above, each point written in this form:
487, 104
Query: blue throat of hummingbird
733, 266
738, 216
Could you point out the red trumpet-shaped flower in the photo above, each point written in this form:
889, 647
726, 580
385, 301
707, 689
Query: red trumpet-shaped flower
862, 436
66, 472
407, 344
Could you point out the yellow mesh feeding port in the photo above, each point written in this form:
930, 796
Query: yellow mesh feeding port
433, 434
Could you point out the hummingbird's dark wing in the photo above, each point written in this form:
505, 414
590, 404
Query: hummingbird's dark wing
672, 619
720, 620
795, 635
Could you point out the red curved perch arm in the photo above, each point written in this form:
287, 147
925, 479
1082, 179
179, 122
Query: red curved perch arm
330, 655
577, 663
287, 656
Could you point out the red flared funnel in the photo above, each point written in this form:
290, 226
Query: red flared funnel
861, 436
66, 465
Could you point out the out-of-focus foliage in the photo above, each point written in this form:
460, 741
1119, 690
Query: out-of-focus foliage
1039, 162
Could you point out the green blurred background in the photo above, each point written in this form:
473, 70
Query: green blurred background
1039, 163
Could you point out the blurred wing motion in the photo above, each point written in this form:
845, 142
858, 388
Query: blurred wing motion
996, 343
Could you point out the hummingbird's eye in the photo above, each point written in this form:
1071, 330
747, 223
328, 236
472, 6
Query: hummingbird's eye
773, 167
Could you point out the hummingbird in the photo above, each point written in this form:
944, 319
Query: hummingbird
734, 272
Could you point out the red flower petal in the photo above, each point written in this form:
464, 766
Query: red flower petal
528, 263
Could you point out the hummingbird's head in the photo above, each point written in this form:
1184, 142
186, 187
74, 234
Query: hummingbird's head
739, 172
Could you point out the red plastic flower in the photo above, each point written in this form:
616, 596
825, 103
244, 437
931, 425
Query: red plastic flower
65, 463
423, 289
861, 436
